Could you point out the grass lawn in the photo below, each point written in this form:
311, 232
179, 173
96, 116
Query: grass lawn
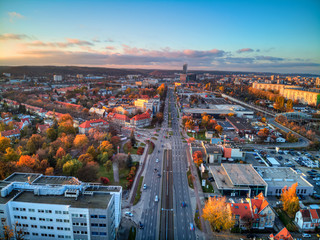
151, 148
286, 220
154, 138
103, 173
122, 176
142, 144
133, 150
209, 189
149, 127
138, 194
198, 136
156, 134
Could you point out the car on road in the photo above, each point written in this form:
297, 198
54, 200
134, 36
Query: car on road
159, 175
158, 151
129, 214
141, 226
157, 160
156, 199
144, 186
318, 183
191, 227
183, 204
155, 170
306, 235
312, 170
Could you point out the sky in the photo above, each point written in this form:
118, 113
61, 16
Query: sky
262, 35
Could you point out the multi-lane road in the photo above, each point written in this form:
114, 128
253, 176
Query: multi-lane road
166, 179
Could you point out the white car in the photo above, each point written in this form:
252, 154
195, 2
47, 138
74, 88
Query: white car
129, 214
318, 183
156, 199
144, 186
157, 160
316, 179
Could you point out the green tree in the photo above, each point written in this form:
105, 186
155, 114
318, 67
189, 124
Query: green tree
11, 155
92, 151
4, 143
108, 165
71, 167
129, 161
132, 138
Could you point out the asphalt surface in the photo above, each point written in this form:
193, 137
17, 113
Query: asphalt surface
166, 219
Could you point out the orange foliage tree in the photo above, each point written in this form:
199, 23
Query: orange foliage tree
197, 157
27, 161
80, 140
290, 200
218, 213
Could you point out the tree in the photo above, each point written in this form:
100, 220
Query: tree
106, 146
92, 151
71, 167
159, 117
197, 158
218, 213
80, 140
63, 160
11, 155
132, 138
52, 134
85, 158
49, 171
129, 161
104, 180
89, 173
289, 105
219, 129
290, 200
115, 140
60, 152
16, 232
108, 165
34, 143
27, 161
263, 133
4, 144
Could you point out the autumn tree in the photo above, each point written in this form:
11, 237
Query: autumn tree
85, 158
219, 129
263, 133
11, 155
115, 141
4, 144
289, 106
129, 161
92, 151
34, 143
197, 158
80, 141
89, 173
218, 213
290, 200
159, 117
60, 152
27, 161
71, 167
52, 134
108, 165
106, 146
49, 171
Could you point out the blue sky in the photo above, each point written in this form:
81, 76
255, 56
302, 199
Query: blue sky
280, 36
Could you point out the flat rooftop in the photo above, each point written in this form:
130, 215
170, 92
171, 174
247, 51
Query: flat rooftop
59, 180
83, 201
282, 176
22, 177
243, 174
100, 188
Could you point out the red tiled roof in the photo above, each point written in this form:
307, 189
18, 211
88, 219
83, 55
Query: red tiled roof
284, 234
142, 116
9, 133
314, 214
227, 152
305, 215
87, 124
121, 117
43, 127
241, 209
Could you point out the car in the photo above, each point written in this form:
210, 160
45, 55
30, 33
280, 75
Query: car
251, 235
316, 179
158, 151
141, 226
144, 186
318, 183
306, 235
129, 214
211, 179
159, 175
156, 199
157, 160
191, 227
312, 170
183, 204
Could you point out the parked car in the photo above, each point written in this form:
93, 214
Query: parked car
191, 227
129, 214
316, 179
306, 235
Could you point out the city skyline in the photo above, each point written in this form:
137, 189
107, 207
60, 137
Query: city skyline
268, 36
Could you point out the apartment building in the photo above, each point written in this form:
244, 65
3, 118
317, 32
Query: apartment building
59, 207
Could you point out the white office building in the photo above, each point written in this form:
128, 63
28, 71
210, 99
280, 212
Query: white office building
59, 207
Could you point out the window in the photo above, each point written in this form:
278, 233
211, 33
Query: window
60, 228
1, 212
75, 215
94, 216
40, 211
298, 191
95, 233
83, 215
25, 225
102, 225
305, 191
67, 229
75, 224
22, 209
16, 216
65, 212
23, 217
48, 211
32, 218
58, 212
58, 220
34, 226
15, 209
66, 220
35, 234
42, 219
49, 219
44, 234
31, 210
50, 228
60, 236
103, 233
83, 224
103, 216
51, 235
94, 224
43, 227
67, 236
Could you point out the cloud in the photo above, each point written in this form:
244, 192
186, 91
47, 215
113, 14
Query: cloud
14, 15
110, 48
269, 58
71, 42
109, 40
12, 36
245, 50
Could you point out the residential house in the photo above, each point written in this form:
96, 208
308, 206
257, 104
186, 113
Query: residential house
256, 213
141, 120
119, 118
284, 234
15, 133
97, 124
308, 219
51, 115
42, 128
100, 112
